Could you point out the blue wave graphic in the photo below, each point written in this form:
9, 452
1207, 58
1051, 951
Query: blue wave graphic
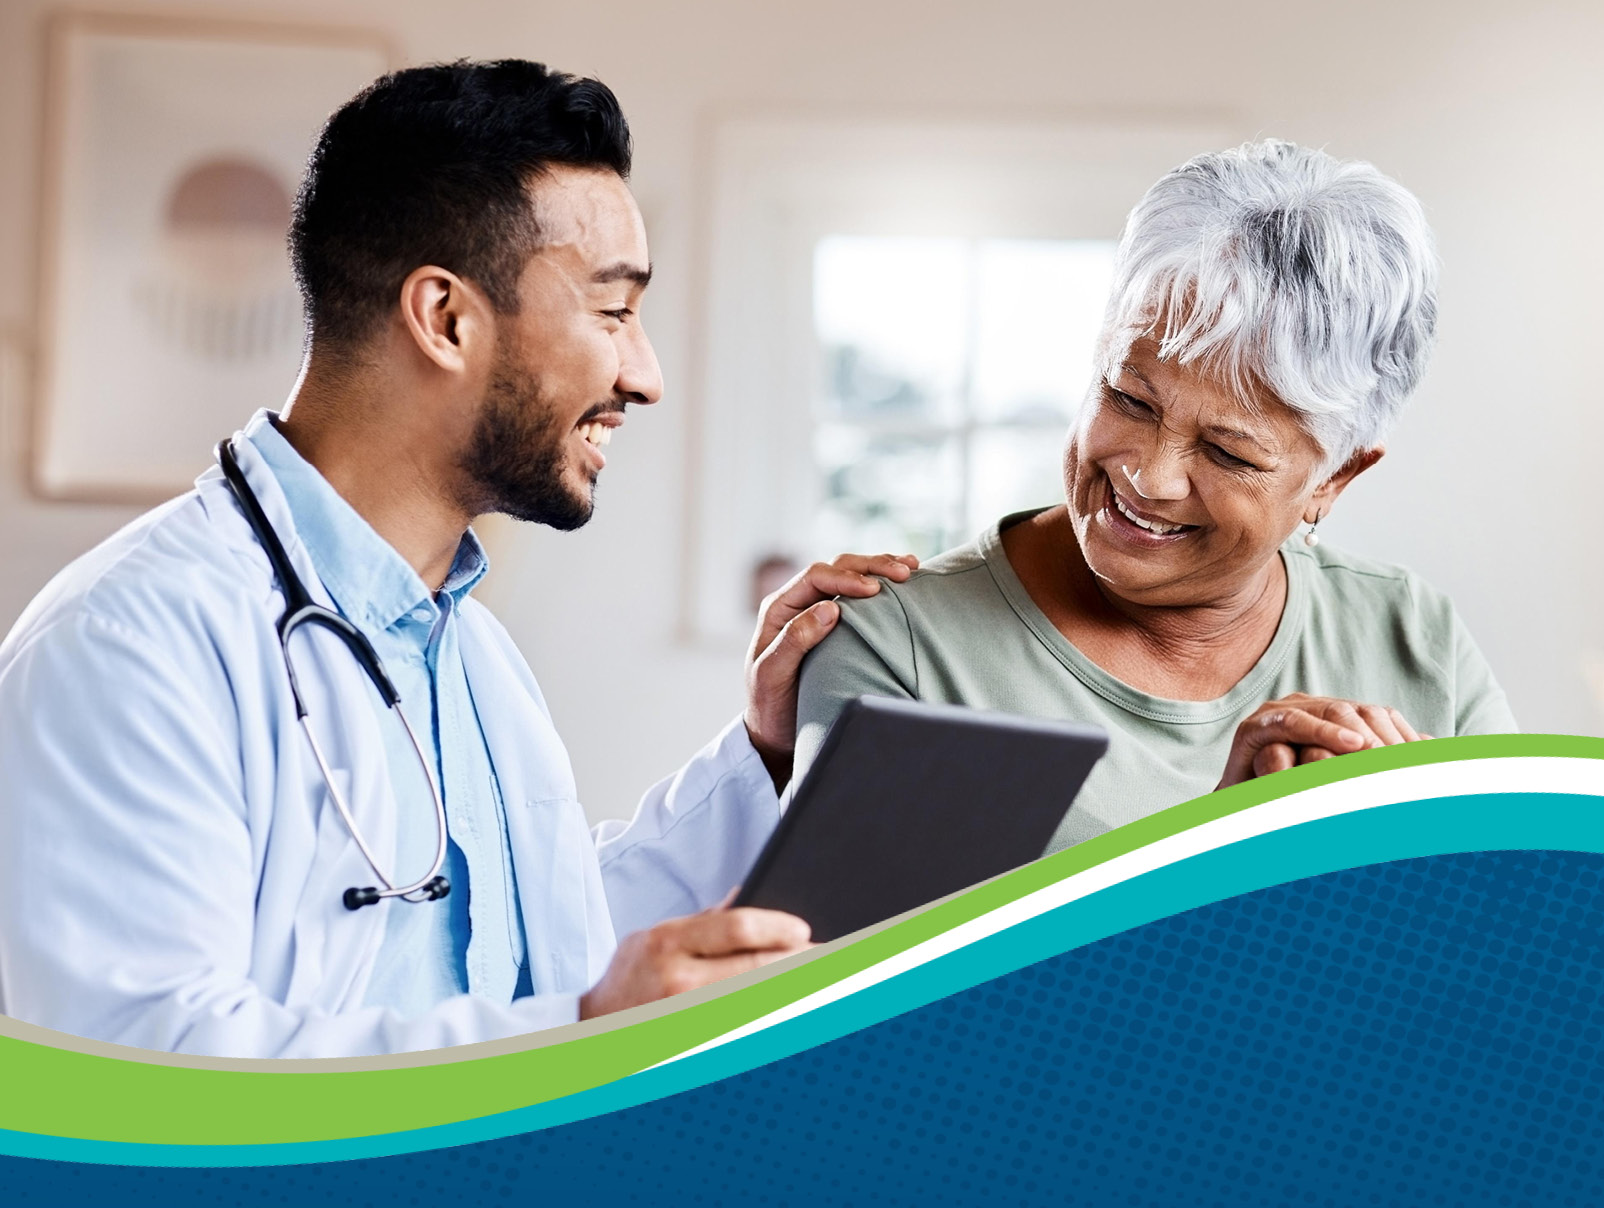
1434, 827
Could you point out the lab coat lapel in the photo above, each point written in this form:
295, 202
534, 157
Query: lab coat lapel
333, 948
560, 894
345, 943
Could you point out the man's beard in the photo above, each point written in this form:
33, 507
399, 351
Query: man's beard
515, 458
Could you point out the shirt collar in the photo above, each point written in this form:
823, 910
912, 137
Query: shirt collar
372, 583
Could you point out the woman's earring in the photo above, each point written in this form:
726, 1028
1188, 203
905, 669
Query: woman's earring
1312, 538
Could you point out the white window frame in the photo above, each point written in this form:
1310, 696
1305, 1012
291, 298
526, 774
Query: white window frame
779, 184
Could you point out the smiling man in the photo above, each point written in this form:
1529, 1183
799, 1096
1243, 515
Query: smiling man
215, 835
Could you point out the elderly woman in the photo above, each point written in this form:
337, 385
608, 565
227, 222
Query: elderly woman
1272, 311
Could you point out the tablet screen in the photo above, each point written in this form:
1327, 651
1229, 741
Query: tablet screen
908, 802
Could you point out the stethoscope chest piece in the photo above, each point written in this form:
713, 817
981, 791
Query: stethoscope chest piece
429, 891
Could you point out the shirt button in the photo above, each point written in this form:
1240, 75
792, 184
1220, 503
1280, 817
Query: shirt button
421, 614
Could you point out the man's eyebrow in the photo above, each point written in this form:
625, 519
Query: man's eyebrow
624, 271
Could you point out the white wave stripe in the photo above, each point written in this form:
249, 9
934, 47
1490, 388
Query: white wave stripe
1525, 774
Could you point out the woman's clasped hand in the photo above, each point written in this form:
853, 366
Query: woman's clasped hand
1299, 728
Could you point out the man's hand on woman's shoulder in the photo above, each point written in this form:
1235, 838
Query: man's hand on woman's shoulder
793, 621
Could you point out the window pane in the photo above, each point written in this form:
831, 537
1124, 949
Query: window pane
1040, 308
896, 493
1011, 469
890, 316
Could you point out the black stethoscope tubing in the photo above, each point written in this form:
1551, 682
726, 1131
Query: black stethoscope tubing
300, 609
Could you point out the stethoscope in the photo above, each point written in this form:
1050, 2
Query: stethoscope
300, 609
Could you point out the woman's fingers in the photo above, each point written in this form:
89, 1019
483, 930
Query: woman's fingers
1277, 757
1314, 754
1285, 725
1409, 733
1300, 729
1303, 728
1383, 723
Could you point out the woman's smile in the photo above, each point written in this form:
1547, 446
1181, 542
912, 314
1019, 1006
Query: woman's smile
1138, 526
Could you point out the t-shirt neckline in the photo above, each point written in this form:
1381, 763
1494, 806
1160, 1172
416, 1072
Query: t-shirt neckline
1251, 690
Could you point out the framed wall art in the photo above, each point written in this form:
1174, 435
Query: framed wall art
167, 310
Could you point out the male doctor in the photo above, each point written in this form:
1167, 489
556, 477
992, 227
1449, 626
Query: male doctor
173, 860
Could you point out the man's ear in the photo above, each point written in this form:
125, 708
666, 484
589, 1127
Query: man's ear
448, 319
1326, 495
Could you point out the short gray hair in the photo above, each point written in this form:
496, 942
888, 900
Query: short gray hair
1281, 267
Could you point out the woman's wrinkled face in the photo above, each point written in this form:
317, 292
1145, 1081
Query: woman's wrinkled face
1179, 493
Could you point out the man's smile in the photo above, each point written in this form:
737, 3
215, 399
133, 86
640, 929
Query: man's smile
596, 430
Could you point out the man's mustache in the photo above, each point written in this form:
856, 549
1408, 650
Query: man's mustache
611, 407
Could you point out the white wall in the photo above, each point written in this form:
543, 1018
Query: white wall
1490, 112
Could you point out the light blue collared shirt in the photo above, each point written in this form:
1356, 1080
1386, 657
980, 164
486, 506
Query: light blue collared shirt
171, 871
472, 940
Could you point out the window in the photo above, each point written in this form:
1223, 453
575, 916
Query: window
899, 327
950, 372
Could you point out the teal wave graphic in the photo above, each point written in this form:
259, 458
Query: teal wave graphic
1436, 826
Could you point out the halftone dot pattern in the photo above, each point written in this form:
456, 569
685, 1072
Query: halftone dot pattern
1419, 1032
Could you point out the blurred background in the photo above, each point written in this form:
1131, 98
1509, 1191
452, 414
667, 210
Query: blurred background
882, 234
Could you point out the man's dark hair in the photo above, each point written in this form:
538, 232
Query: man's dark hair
430, 166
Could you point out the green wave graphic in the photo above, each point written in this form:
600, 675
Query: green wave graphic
1491, 822
150, 1113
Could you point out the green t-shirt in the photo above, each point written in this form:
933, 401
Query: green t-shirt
963, 630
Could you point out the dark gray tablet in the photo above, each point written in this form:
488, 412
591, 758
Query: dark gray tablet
908, 802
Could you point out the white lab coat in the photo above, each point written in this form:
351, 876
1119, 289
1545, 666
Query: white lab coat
170, 866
